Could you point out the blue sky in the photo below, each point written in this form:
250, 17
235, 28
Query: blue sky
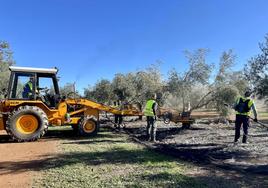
93, 39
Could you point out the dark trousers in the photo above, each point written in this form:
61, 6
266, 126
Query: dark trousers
118, 119
241, 119
151, 128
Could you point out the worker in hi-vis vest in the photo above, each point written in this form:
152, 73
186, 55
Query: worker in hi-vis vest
28, 89
150, 113
243, 106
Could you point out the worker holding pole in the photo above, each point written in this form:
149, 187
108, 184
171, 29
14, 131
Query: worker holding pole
243, 106
150, 113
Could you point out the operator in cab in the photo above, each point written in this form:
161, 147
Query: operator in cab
28, 89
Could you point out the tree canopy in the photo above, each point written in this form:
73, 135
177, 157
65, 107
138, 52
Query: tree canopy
202, 84
6, 60
256, 70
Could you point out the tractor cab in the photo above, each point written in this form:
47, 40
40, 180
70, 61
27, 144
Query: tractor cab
34, 84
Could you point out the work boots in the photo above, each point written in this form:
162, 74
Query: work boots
244, 140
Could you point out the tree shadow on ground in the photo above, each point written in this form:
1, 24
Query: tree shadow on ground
191, 152
119, 156
108, 141
94, 158
260, 135
215, 181
69, 134
162, 133
202, 153
213, 155
178, 180
59, 134
169, 133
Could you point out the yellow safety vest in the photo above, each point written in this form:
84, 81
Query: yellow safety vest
250, 103
149, 108
30, 85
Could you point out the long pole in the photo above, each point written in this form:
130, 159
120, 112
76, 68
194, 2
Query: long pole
260, 123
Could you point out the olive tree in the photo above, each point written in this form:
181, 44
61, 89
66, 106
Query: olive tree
199, 86
137, 87
129, 88
256, 70
101, 92
6, 60
68, 90
181, 85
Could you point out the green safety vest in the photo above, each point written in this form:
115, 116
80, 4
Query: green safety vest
30, 85
149, 108
250, 103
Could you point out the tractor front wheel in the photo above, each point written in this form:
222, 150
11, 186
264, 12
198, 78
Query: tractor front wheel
88, 126
27, 123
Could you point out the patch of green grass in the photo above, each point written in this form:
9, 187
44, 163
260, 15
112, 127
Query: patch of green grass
112, 160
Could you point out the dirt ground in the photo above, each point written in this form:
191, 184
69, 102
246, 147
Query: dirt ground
20, 162
210, 145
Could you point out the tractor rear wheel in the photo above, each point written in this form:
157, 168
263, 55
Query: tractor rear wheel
27, 123
88, 126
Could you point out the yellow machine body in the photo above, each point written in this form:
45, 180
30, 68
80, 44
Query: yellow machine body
57, 117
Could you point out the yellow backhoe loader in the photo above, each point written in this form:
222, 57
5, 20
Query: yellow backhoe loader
29, 107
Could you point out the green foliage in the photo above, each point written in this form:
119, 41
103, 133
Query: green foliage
199, 70
197, 87
228, 84
185, 85
68, 90
262, 88
134, 87
6, 60
147, 83
124, 86
238, 80
256, 70
101, 92
226, 63
226, 94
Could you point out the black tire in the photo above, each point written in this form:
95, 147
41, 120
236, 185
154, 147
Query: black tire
166, 120
167, 117
44, 132
39, 120
90, 122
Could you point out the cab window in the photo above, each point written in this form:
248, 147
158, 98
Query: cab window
23, 85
